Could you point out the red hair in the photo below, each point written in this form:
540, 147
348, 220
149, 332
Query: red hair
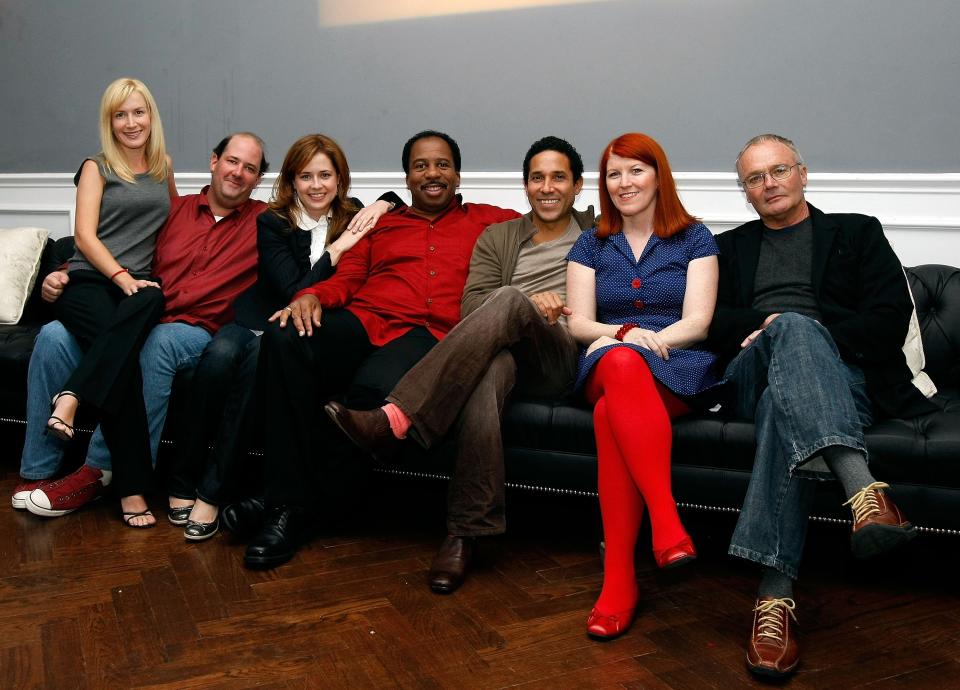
669, 215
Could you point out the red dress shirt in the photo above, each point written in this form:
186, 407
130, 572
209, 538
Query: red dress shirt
409, 271
204, 263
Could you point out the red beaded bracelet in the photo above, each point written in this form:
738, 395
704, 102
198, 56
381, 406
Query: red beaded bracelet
122, 270
624, 329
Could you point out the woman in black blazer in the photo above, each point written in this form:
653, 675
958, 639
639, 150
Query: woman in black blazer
310, 224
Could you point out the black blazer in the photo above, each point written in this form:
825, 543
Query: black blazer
283, 269
862, 293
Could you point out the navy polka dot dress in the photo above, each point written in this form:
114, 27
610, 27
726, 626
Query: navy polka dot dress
648, 293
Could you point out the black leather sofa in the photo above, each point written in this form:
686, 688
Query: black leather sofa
550, 444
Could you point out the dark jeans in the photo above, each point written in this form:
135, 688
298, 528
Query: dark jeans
110, 328
307, 461
463, 384
217, 410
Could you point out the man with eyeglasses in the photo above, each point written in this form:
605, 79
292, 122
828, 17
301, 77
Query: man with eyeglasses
812, 313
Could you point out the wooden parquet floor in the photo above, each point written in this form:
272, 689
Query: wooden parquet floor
88, 603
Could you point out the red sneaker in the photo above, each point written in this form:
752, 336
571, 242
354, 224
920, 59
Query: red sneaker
67, 494
23, 489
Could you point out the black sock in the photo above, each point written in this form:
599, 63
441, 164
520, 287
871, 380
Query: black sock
849, 466
775, 584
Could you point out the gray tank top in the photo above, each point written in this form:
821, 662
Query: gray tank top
131, 214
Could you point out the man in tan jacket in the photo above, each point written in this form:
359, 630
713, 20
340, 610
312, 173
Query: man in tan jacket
513, 332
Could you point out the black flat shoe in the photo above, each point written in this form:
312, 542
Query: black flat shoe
284, 531
245, 517
200, 531
178, 516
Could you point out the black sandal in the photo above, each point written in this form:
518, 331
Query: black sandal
67, 432
127, 517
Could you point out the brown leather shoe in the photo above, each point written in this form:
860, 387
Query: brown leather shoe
449, 567
878, 525
369, 430
773, 650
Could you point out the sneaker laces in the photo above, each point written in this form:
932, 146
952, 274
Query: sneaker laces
772, 620
864, 503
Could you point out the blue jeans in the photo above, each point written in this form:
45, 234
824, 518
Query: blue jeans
169, 348
803, 398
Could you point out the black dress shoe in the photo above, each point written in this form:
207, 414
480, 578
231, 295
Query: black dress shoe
284, 531
369, 430
200, 531
449, 567
245, 517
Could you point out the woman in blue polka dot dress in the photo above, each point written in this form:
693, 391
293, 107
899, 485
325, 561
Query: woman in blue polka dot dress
642, 288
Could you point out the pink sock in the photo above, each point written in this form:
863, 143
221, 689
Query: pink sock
399, 422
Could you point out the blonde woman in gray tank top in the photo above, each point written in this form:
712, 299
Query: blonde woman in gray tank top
111, 301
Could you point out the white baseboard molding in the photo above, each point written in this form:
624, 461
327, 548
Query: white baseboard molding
920, 212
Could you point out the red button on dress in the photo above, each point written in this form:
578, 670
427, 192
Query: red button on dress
639, 303
635, 283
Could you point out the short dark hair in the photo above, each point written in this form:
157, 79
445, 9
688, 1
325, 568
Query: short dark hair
221, 147
559, 145
426, 134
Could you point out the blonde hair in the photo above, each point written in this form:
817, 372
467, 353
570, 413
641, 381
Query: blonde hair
155, 151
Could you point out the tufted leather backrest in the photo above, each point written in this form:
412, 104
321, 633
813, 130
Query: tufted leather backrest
936, 291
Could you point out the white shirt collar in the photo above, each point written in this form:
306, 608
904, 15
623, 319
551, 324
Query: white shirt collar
305, 222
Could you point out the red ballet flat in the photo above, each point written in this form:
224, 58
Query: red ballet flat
603, 627
677, 555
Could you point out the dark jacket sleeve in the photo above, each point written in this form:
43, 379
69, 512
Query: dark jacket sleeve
875, 330
732, 319
389, 197
285, 254
282, 264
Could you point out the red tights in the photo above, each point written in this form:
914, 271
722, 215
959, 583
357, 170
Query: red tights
631, 420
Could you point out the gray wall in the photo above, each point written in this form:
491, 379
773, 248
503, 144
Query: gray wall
861, 85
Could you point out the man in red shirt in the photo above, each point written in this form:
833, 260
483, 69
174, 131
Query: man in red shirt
206, 255
394, 296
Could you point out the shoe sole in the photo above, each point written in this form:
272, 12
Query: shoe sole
765, 672
597, 637
437, 589
875, 540
200, 537
678, 562
266, 562
19, 503
49, 512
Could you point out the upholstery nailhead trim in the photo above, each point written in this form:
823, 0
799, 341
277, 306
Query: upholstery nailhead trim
562, 492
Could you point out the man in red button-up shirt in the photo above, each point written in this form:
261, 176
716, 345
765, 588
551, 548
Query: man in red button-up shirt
394, 296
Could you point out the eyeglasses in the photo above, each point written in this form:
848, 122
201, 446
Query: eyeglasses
779, 172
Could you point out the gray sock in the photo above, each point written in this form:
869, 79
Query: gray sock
849, 466
775, 584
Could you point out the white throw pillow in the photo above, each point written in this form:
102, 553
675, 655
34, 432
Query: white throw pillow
20, 252
913, 351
